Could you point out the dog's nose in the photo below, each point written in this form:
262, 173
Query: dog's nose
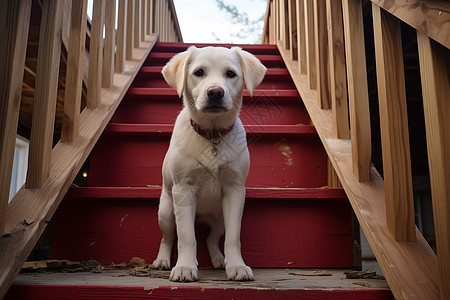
215, 93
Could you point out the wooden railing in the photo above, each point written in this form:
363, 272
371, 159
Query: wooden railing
322, 44
52, 169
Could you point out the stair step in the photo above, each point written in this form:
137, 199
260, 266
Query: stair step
151, 77
268, 284
180, 47
161, 58
162, 105
292, 155
296, 228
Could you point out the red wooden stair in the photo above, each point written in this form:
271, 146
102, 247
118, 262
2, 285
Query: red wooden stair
291, 220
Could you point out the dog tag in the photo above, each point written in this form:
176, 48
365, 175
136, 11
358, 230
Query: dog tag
214, 151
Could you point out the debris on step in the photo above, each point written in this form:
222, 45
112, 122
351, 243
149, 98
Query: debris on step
311, 273
366, 274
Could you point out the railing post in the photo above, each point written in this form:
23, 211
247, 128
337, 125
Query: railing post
96, 55
137, 23
434, 62
130, 30
293, 30
14, 21
357, 89
46, 89
321, 40
121, 36
394, 126
301, 36
74, 73
338, 80
109, 43
310, 44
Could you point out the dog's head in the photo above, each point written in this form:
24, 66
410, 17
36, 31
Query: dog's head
212, 79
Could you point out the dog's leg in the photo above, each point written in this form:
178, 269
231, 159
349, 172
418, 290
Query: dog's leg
233, 206
166, 221
184, 201
217, 231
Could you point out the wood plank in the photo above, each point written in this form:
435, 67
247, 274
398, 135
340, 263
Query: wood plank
301, 36
130, 30
47, 73
429, 17
38, 205
15, 20
410, 268
74, 73
121, 36
435, 74
94, 85
137, 23
357, 88
394, 126
293, 44
109, 43
310, 44
321, 48
338, 79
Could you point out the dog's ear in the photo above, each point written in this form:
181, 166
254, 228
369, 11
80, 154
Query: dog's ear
252, 68
174, 71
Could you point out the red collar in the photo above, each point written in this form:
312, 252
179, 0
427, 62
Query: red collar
211, 134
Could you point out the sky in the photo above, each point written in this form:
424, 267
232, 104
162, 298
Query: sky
203, 21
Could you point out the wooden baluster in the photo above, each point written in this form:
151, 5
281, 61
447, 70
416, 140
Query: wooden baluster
338, 80
284, 24
110, 45
150, 16
435, 74
301, 36
130, 30
394, 126
321, 48
357, 88
46, 89
74, 73
310, 44
94, 86
14, 21
137, 23
293, 44
272, 23
144, 31
121, 36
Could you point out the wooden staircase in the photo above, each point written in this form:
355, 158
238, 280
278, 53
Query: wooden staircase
292, 220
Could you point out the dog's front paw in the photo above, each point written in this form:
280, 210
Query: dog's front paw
239, 273
161, 264
184, 274
218, 263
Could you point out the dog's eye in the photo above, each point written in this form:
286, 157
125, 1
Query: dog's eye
231, 74
198, 73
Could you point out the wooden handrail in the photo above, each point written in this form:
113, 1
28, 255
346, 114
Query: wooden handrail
384, 207
51, 171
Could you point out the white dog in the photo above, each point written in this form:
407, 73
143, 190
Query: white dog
205, 168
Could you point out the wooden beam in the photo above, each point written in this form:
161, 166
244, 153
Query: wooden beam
394, 126
14, 21
47, 73
338, 79
301, 36
121, 36
435, 74
37, 206
109, 43
293, 44
74, 73
429, 17
357, 88
137, 23
130, 30
94, 85
310, 44
321, 48
410, 268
